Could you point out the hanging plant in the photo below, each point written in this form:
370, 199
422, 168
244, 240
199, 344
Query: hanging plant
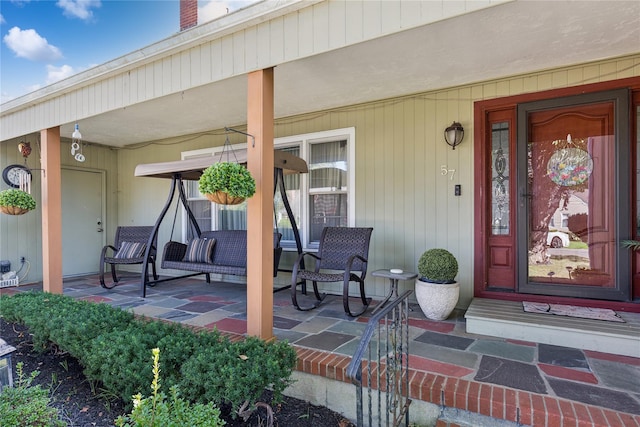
227, 183
16, 202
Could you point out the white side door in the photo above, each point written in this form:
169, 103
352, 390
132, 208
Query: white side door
83, 202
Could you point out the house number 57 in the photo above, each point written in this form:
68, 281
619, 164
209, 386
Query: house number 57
444, 171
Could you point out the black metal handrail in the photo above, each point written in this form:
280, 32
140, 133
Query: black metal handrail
395, 384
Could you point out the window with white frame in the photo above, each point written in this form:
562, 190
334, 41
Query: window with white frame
323, 197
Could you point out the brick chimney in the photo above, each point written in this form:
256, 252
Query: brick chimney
188, 14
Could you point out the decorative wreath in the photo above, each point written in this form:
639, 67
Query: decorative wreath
570, 166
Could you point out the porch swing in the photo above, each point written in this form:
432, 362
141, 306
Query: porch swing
231, 254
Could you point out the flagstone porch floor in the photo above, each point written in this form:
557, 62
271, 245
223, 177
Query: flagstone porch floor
523, 382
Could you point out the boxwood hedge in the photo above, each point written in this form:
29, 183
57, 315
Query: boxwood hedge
113, 346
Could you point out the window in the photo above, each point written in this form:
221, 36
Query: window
500, 177
323, 197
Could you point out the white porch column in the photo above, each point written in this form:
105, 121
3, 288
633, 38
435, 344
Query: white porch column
51, 211
260, 207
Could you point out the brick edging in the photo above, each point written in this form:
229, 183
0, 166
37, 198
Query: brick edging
518, 406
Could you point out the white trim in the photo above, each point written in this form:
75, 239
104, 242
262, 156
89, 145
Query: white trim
325, 136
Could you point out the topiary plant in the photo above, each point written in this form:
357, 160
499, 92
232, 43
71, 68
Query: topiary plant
437, 266
227, 177
13, 198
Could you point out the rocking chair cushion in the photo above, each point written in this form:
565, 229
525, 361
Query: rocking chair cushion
130, 250
200, 250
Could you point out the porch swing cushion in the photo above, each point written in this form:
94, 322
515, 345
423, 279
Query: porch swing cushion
129, 250
200, 250
229, 255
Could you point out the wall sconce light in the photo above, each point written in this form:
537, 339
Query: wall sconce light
6, 374
454, 134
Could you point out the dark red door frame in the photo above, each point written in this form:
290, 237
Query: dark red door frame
492, 253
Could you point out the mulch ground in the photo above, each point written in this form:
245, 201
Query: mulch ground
85, 404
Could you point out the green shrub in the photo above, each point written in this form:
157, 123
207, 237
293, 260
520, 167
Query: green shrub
81, 322
438, 266
27, 405
253, 364
113, 348
118, 359
179, 344
154, 411
35, 310
56, 318
229, 177
18, 198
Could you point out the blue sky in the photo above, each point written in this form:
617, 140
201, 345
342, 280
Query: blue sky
44, 41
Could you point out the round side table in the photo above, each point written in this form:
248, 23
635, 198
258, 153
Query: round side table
393, 280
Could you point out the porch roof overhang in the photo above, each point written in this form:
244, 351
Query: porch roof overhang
191, 169
341, 54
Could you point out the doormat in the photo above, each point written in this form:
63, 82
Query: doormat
572, 311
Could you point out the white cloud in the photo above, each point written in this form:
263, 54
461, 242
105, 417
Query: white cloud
58, 73
30, 45
78, 8
2, 21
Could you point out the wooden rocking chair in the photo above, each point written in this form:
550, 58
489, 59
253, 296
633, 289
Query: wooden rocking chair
128, 248
345, 252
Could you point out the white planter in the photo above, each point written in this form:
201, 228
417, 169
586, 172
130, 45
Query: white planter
437, 300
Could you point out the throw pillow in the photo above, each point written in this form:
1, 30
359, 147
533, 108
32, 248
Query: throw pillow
131, 250
199, 250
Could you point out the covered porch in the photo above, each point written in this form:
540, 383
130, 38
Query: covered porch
284, 70
394, 73
452, 373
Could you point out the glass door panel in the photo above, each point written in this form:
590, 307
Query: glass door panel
569, 209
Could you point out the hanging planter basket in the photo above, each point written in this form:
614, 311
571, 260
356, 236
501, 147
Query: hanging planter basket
13, 210
222, 198
227, 183
16, 202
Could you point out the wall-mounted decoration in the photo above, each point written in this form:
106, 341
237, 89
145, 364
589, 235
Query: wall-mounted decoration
570, 166
76, 145
25, 149
16, 176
